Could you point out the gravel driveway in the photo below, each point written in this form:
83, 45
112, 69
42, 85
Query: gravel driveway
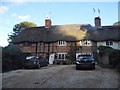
60, 76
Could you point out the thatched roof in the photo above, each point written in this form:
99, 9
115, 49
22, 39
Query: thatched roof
106, 33
73, 32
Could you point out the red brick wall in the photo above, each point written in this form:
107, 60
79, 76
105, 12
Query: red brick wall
53, 48
86, 49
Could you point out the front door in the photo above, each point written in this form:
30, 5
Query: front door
51, 58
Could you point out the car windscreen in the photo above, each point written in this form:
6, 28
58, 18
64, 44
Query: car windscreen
30, 58
86, 57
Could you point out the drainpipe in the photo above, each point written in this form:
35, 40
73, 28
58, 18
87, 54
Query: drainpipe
36, 48
48, 50
75, 51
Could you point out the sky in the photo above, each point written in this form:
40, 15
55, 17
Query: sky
13, 12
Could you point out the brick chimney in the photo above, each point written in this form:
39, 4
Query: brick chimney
48, 22
97, 21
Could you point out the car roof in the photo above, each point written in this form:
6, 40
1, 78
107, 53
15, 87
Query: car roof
29, 57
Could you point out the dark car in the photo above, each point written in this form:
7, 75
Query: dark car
35, 62
32, 62
43, 62
85, 62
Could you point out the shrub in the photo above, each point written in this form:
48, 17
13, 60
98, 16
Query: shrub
72, 53
12, 58
114, 55
115, 58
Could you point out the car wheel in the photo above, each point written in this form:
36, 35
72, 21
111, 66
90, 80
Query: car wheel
25, 67
77, 68
93, 67
38, 66
46, 65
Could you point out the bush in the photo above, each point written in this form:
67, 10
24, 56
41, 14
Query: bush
114, 56
72, 53
12, 58
104, 49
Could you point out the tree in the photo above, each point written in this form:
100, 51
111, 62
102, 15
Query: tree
72, 53
117, 23
18, 28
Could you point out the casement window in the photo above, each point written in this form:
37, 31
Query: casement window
109, 43
62, 43
21, 44
33, 44
27, 44
85, 43
61, 56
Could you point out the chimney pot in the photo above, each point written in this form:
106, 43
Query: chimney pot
97, 21
48, 22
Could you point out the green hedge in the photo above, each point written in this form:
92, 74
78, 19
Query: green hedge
114, 55
12, 58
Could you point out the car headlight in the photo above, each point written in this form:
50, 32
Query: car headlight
93, 61
77, 62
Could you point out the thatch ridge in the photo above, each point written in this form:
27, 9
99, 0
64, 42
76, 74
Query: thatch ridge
72, 32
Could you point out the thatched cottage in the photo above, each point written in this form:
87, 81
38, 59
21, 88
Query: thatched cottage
58, 39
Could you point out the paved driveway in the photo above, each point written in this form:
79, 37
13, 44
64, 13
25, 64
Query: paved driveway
60, 76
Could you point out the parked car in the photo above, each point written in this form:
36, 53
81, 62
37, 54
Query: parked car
32, 62
43, 62
35, 62
85, 62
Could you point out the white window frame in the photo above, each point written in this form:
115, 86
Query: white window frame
33, 44
20, 44
64, 56
85, 43
62, 43
109, 43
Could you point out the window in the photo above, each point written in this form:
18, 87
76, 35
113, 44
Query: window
109, 43
62, 43
21, 44
85, 43
27, 44
33, 44
62, 56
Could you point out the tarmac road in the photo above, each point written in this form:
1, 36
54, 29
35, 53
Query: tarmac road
60, 76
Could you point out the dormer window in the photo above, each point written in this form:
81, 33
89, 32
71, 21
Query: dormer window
85, 43
62, 43
27, 44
